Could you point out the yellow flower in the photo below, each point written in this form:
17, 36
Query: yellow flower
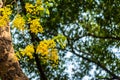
29, 48
51, 44
42, 48
34, 9
29, 54
19, 22
28, 51
38, 2
7, 10
54, 56
47, 49
29, 7
3, 21
4, 17
45, 46
35, 26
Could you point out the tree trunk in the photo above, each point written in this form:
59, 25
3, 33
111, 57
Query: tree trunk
9, 66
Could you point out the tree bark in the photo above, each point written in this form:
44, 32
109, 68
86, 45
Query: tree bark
9, 65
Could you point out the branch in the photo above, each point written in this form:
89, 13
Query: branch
34, 39
98, 64
37, 60
90, 60
42, 74
104, 37
90, 35
94, 36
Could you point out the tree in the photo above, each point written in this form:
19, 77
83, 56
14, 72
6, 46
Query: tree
37, 51
9, 66
89, 29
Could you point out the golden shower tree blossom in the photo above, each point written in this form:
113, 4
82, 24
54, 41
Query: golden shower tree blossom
19, 22
4, 17
28, 51
35, 26
47, 49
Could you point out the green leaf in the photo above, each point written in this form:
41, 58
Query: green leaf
47, 11
61, 39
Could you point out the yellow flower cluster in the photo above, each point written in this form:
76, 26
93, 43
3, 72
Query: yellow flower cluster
29, 7
4, 15
35, 26
47, 49
54, 56
19, 22
34, 9
38, 2
28, 51
45, 46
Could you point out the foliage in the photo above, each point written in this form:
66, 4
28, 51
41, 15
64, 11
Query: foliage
51, 29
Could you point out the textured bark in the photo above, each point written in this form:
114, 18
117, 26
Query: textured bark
9, 66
